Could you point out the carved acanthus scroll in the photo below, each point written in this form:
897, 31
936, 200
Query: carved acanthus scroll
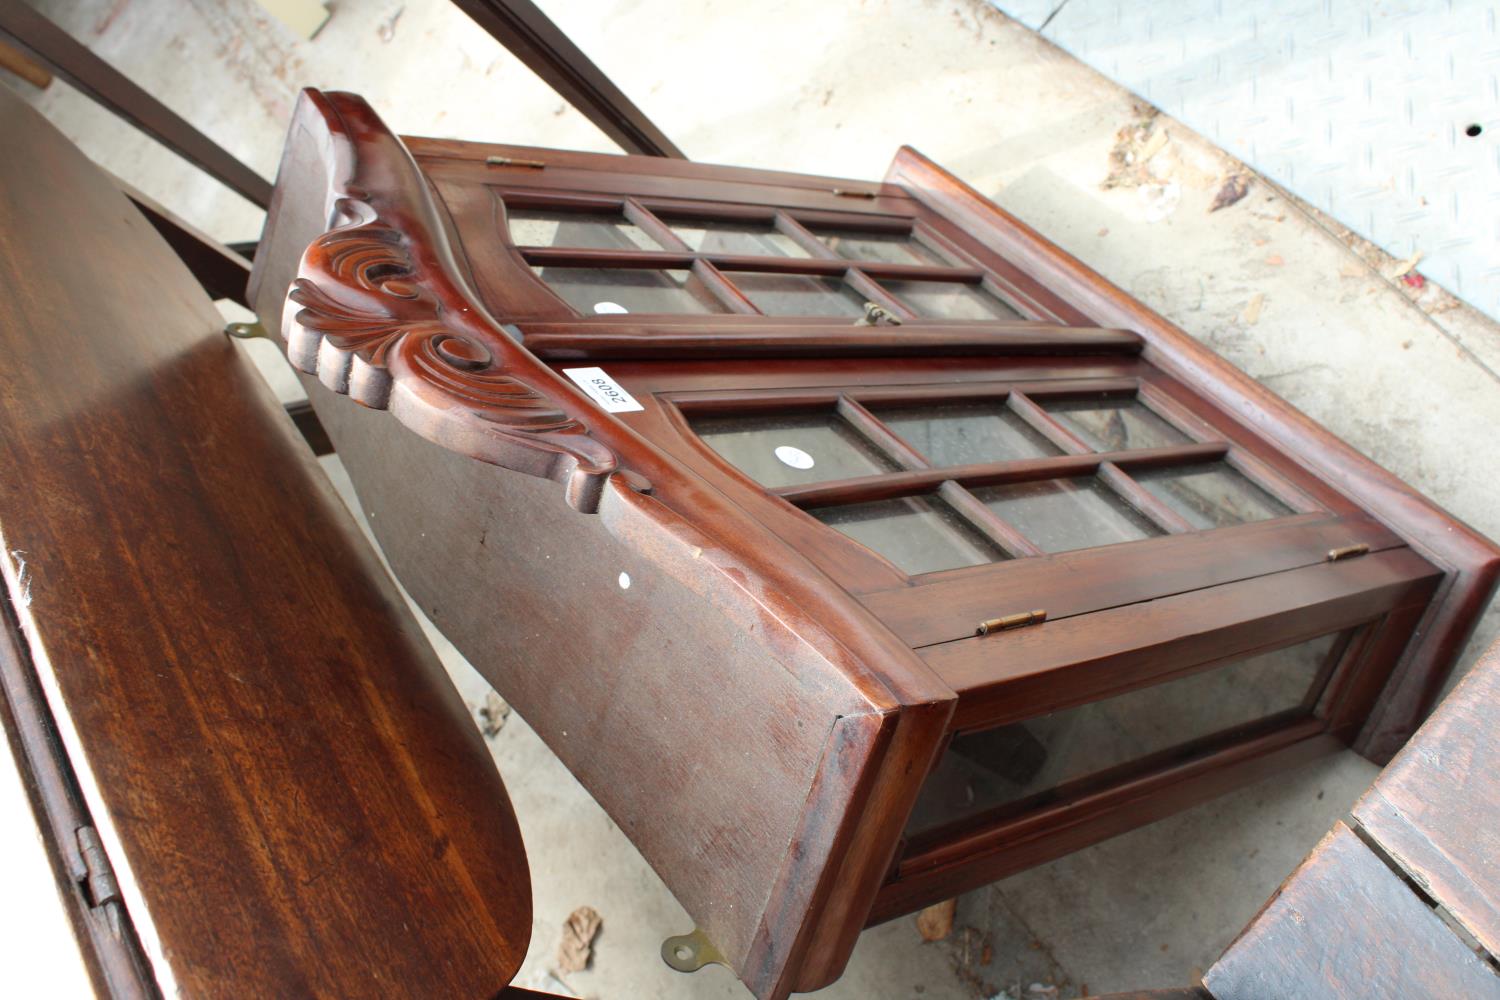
379, 312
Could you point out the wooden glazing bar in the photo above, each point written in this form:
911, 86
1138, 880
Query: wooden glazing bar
877, 295
882, 437
648, 341
654, 227
879, 487
996, 529
803, 237
832, 267
1143, 500
1041, 421
753, 399
723, 290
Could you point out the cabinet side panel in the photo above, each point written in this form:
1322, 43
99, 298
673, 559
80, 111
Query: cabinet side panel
688, 727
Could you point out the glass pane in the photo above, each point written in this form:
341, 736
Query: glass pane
760, 239
918, 534
961, 434
888, 248
999, 766
950, 300
792, 449
607, 290
1063, 514
1211, 496
590, 230
1114, 423
798, 295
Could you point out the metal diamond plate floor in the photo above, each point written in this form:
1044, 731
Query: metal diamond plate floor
1386, 115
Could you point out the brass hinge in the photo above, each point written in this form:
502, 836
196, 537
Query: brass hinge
512, 161
1347, 552
1017, 620
848, 193
99, 875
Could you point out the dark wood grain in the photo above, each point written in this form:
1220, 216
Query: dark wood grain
1345, 925
1436, 808
284, 778
73, 61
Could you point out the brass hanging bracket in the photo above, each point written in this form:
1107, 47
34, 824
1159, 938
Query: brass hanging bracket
247, 331
691, 952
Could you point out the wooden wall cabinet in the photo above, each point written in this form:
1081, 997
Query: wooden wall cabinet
853, 545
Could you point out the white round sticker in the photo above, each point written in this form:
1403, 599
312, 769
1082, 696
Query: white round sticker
609, 308
795, 457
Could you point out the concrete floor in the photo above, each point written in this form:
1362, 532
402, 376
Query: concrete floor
1407, 376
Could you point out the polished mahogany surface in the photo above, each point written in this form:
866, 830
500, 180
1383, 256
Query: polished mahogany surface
288, 787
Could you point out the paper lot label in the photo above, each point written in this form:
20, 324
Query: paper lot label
604, 390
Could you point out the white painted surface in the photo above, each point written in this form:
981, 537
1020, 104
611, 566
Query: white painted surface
1363, 109
38, 956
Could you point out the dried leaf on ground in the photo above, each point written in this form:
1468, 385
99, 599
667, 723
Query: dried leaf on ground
1154, 144
576, 948
1235, 187
492, 714
1407, 265
1135, 144
936, 922
1253, 308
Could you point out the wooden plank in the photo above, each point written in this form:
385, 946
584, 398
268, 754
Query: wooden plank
110, 88
1345, 927
223, 273
531, 37
1436, 808
289, 788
